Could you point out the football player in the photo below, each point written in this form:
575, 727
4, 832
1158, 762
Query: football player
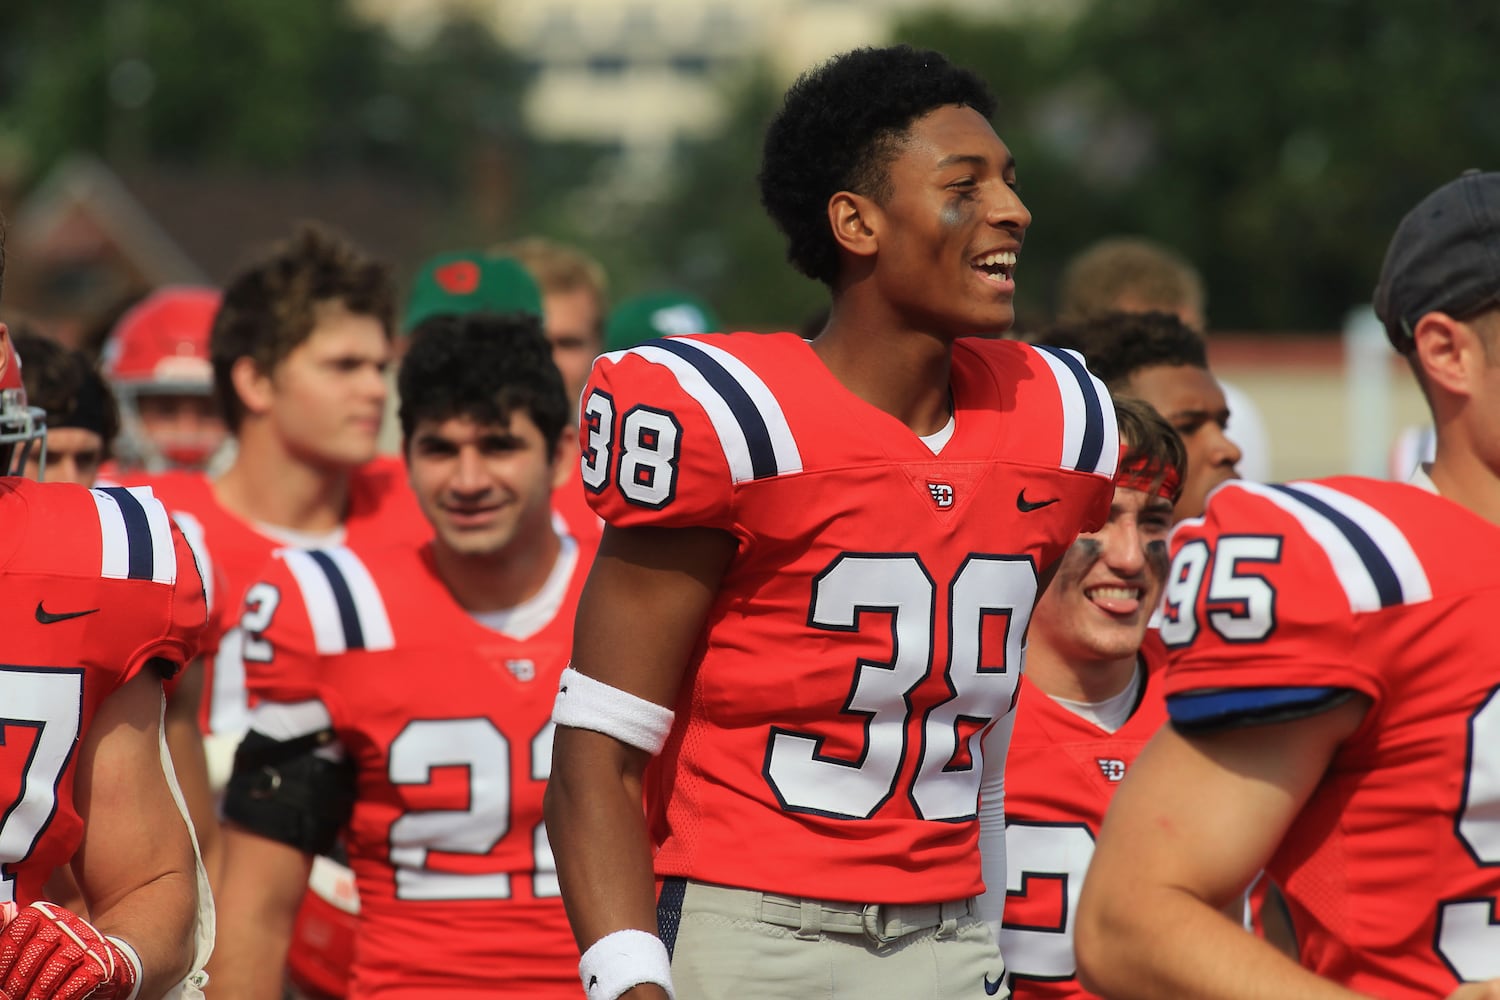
1090, 700
818, 566
575, 293
156, 358
406, 694
298, 348
1332, 694
82, 418
1157, 358
100, 598
82, 423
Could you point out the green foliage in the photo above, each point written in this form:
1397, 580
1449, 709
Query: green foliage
275, 84
710, 236
1276, 144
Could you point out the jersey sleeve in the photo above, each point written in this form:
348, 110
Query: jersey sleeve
661, 428
215, 584
1265, 596
140, 542
307, 605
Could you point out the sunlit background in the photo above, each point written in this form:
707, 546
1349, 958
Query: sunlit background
1275, 144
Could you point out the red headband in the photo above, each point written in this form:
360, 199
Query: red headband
1149, 477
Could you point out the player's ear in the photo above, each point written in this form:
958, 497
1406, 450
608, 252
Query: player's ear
1450, 352
252, 385
854, 219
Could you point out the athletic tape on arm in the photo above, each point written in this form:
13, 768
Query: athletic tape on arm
585, 703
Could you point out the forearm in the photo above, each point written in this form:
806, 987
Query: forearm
135, 863
263, 883
156, 920
601, 847
598, 834
1165, 942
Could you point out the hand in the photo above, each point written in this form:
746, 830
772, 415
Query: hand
1489, 990
49, 953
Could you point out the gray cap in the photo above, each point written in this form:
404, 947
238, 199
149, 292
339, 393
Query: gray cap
1445, 257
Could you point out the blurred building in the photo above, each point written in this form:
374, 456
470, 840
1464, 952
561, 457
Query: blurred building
640, 75
88, 241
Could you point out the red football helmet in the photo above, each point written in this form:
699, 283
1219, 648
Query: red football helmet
22, 427
160, 348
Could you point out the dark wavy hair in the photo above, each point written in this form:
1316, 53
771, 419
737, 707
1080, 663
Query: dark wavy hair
483, 366
1117, 345
841, 125
270, 306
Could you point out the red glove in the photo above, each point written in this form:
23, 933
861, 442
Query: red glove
49, 953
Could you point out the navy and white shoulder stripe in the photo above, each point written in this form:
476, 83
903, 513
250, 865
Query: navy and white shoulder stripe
1370, 555
136, 534
752, 428
1090, 436
343, 603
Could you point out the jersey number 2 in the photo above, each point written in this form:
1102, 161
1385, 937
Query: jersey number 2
476, 745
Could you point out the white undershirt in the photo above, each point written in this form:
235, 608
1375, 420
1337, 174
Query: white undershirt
534, 614
1111, 713
1422, 476
302, 539
936, 440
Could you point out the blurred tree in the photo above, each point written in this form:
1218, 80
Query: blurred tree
1275, 144
709, 233
275, 84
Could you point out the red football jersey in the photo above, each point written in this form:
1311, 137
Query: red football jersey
1392, 869
827, 740
94, 584
448, 723
570, 502
1059, 778
382, 510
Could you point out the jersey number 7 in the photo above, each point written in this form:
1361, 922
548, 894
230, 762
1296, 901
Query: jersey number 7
49, 703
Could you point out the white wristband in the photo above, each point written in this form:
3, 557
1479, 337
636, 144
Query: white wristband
585, 703
133, 959
618, 961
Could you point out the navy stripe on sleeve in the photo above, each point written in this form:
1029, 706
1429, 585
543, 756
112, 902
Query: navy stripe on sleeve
746, 413
140, 555
354, 635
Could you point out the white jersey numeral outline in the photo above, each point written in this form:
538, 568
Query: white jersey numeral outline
50, 700
1468, 934
804, 779
479, 747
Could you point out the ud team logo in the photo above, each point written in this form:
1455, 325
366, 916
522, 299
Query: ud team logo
942, 494
1112, 769
522, 670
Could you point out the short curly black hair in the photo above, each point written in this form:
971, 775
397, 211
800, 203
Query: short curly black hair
1116, 345
64, 383
838, 130
484, 366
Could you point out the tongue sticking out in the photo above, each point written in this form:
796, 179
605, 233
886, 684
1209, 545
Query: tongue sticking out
1116, 600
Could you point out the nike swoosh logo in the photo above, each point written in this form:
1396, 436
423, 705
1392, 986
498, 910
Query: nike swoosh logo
48, 618
990, 989
1026, 506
